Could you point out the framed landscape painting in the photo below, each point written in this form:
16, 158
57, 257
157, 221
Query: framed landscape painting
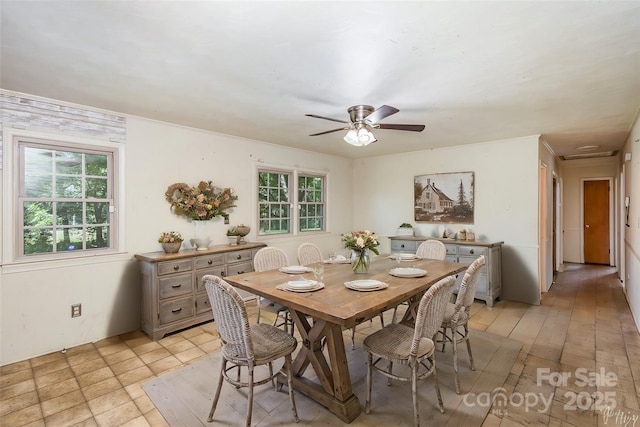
444, 198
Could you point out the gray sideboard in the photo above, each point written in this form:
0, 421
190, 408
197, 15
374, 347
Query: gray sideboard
465, 252
173, 296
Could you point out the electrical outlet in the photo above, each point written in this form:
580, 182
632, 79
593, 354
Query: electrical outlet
76, 310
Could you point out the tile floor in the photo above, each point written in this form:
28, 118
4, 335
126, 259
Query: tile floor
583, 327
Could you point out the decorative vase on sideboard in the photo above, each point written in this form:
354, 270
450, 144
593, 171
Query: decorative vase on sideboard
201, 240
171, 248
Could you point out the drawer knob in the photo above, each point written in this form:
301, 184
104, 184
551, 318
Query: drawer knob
240, 272
471, 252
222, 274
176, 310
239, 257
176, 286
210, 262
176, 267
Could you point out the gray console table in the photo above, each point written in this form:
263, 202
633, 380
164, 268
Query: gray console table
465, 252
173, 296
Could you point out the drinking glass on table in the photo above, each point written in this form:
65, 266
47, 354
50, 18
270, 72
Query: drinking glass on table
398, 257
318, 271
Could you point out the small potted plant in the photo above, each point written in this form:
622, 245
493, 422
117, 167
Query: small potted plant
234, 236
171, 241
405, 229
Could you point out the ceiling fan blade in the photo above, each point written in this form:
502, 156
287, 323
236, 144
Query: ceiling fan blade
329, 131
381, 113
326, 118
413, 128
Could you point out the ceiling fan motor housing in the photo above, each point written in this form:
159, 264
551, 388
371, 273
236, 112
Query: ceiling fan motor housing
358, 113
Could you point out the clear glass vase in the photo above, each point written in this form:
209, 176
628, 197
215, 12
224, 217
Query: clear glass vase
360, 261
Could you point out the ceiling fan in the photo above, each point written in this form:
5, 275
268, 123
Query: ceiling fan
363, 118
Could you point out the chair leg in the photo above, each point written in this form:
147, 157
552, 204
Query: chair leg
395, 313
250, 396
437, 385
287, 363
443, 331
381, 320
466, 334
454, 333
223, 366
367, 406
389, 369
414, 394
259, 299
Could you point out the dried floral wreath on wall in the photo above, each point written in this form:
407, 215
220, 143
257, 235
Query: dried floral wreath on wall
202, 202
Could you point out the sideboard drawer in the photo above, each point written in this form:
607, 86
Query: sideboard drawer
175, 285
202, 304
168, 267
238, 256
451, 249
209, 261
242, 267
403, 246
471, 250
174, 310
219, 271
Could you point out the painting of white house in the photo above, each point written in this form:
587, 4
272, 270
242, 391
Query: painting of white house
444, 198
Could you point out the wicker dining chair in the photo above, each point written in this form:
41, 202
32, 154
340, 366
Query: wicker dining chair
456, 316
432, 249
308, 253
271, 258
429, 249
245, 345
412, 346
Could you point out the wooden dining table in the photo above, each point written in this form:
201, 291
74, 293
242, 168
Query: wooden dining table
323, 314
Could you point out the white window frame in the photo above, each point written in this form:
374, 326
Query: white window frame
295, 173
12, 217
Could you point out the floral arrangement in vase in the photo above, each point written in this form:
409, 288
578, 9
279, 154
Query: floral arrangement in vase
171, 241
360, 242
201, 202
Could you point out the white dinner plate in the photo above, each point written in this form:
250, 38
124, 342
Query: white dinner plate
315, 286
407, 272
365, 285
295, 269
404, 257
301, 284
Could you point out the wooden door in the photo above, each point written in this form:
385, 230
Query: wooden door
596, 222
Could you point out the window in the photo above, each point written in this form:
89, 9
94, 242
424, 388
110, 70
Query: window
311, 200
65, 202
276, 202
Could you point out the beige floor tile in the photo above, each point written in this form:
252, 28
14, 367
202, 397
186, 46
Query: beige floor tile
95, 376
23, 416
89, 366
118, 415
126, 365
108, 401
58, 389
54, 377
60, 403
76, 415
101, 388
17, 389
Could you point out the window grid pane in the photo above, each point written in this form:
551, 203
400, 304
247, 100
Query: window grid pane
67, 207
273, 203
311, 200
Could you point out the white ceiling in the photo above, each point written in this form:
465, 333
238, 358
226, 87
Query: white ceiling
470, 71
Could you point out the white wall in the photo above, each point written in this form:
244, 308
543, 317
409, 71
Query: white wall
506, 201
35, 303
573, 172
631, 243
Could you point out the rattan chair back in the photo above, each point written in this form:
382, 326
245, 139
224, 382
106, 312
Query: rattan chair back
432, 249
308, 253
270, 258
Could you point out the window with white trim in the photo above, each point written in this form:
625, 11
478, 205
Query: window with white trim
66, 199
276, 200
